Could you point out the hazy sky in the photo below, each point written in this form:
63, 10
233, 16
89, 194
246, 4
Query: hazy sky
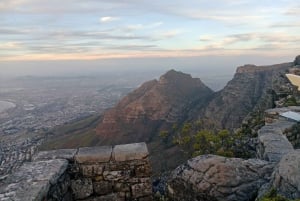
35, 30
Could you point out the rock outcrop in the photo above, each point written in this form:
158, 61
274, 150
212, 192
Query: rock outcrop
250, 90
273, 144
210, 177
216, 178
286, 178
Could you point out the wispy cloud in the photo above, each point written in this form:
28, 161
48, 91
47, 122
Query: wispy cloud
170, 34
293, 11
107, 19
252, 41
291, 24
134, 27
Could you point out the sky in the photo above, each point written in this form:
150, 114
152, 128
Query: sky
71, 30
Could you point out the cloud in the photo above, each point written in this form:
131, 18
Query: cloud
206, 38
293, 11
154, 25
7, 5
107, 19
135, 27
11, 45
170, 34
251, 41
285, 25
134, 47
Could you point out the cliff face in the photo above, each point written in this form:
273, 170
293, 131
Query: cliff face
156, 105
250, 89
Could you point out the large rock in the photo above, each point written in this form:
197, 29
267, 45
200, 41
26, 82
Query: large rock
33, 180
286, 178
94, 154
213, 178
126, 152
272, 143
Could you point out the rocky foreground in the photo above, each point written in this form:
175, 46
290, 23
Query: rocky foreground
216, 178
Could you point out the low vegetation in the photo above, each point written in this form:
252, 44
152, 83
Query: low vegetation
272, 195
195, 141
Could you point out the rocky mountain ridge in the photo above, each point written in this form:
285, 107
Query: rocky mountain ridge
252, 88
175, 98
159, 106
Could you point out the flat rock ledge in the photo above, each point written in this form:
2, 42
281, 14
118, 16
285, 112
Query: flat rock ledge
32, 181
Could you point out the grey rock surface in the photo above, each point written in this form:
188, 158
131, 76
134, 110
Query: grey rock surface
94, 154
210, 177
273, 144
82, 188
55, 154
128, 152
32, 181
286, 178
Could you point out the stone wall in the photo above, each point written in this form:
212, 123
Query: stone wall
103, 173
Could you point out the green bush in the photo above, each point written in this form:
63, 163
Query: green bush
273, 196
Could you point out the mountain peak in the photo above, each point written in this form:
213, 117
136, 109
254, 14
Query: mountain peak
175, 75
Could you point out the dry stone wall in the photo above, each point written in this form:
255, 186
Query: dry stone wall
102, 173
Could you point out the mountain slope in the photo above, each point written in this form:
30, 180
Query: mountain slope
156, 105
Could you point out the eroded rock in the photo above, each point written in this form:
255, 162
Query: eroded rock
94, 154
128, 152
33, 180
286, 178
272, 143
210, 177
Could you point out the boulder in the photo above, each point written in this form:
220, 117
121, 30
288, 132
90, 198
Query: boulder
213, 178
272, 143
286, 177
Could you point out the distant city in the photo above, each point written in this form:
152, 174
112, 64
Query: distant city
31, 106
